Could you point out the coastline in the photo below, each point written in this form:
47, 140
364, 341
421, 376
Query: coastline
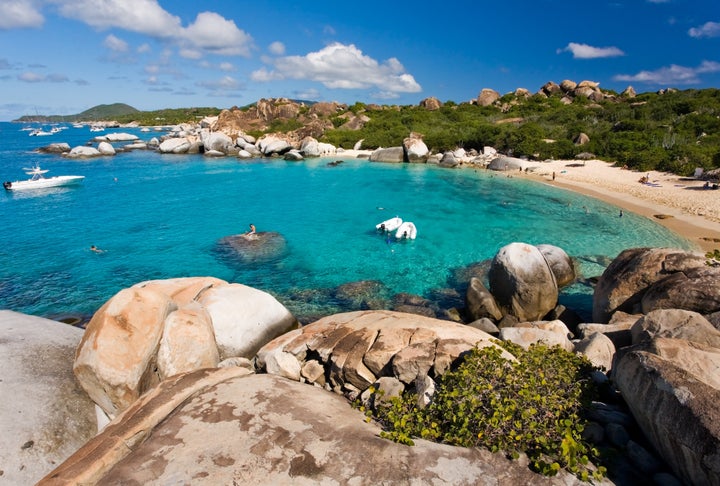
680, 204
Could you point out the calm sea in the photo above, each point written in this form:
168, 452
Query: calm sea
161, 216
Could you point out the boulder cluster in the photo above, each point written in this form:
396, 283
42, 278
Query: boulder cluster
202, 378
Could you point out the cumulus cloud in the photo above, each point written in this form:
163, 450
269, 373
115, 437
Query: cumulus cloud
277, 48
214, 33
19, 14
672, 74
33, 77
142, 16
115, 44
585, 51
209, 32
344, 67
708, 29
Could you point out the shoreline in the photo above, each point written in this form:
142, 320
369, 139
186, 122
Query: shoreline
680, 204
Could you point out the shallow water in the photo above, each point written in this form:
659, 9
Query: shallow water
161, 216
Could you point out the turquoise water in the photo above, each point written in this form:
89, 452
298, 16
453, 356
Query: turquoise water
161, 216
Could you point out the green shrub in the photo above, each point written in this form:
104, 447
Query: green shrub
533, 405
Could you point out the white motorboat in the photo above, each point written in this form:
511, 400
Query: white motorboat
39, 181
407, 230
389, 225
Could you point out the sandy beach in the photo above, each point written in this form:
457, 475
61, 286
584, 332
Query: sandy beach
681, 204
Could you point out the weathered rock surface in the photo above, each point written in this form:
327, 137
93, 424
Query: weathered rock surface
560, 264
357, 348
522, 282
45, 415
220, 427
157, 328
392, 154
625, 281
677, 411
695, 289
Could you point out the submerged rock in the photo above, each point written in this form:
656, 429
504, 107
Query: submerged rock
259, 247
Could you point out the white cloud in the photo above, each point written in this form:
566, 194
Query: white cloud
342, 66
32, 77
16, 14
115, 44
584, 51
672, 74
708, 29
277, 48
218, 35
209, 32
142, 16
142, 49
307, 94
226, 66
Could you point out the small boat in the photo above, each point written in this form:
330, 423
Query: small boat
407, 230
389, 225
39, 181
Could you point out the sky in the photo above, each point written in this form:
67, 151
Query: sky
62, 57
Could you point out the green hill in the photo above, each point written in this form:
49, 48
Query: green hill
96, 113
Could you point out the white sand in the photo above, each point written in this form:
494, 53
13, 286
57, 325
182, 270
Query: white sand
680, 204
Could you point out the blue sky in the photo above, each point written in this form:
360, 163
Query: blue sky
65, 56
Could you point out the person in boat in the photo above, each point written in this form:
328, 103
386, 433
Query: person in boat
251, 232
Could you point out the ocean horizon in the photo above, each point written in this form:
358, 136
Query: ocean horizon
159, 216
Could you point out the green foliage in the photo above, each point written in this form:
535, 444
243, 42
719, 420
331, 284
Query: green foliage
713, 258
533, 405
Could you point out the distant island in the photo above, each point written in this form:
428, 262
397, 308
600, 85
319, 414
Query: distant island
669, 130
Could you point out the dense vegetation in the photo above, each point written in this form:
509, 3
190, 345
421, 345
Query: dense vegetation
671, 130
674, 131
533, 405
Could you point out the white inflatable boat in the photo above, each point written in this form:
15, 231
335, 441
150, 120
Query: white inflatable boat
407, 230
389, 225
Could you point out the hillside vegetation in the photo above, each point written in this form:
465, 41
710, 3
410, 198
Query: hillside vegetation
674, 131
670, 130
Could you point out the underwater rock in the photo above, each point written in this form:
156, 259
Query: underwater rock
255, 248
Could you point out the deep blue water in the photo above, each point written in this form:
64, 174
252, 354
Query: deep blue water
161, 216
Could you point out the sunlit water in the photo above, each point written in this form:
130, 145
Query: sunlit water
161, 216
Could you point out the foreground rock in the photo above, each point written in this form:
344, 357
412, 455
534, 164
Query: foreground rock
46, 416
221, 427
156, 329
349, 352
631, 274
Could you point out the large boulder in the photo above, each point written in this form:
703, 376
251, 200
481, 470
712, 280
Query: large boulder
672, 391
677, 324
46, 416
244, 318
392, 154
355, 349
115, 360
415, 149
480, 303
218, 141
223, 426
560, 264
487, 97
273, 144
696, 289
522, 282
624, 282
159, 328
82, 151
175, 146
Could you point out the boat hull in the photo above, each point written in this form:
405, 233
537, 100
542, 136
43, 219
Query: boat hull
57, 181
